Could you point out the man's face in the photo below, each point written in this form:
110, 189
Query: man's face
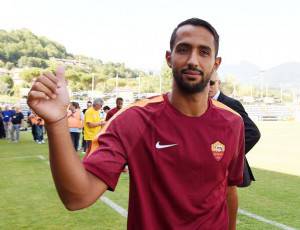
193, 58
119, 104
89, 104
97, 107
214, 85
71, 108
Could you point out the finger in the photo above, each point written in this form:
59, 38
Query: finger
51, 77
60, 73
39, 86
34, 95
48, 82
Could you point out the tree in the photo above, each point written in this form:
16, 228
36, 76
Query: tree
166, 76
29, 74
7, 85
32, 62
9, 65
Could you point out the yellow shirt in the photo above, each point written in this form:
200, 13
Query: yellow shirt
91, 115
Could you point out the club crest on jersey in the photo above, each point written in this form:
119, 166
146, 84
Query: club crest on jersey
218, 150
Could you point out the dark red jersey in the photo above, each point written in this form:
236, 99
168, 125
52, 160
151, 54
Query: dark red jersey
179, 166
111, 113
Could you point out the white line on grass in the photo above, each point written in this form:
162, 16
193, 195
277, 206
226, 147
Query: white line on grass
114, 206
43, 158
262, 219
124, 213
17, 157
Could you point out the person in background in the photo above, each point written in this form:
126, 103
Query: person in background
2, 130
252, 134
16, 120
104, 112
92, 122
88, 105
75, 123
119, 105
40, 130
32, 117
83, 143
7, 114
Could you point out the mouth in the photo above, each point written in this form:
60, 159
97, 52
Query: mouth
192, 75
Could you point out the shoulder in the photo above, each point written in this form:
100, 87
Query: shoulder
112, 111
231, 102
90, 111
226, 113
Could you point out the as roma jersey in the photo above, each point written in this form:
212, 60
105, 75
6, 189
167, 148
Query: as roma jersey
179, 166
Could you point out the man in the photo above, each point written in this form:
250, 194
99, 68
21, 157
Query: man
119, 105
88, 105
183, 151
252, 134
75, 123
39, 130
32, 117
2, 130
16, 121
92, 122
7, 114
83, 143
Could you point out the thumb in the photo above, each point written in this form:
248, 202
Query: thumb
60, 73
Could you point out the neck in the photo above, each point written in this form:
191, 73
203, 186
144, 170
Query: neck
193, 105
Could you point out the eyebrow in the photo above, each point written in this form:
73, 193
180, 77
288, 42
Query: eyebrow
200, 46
205, 47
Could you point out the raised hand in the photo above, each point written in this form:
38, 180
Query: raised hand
49, 97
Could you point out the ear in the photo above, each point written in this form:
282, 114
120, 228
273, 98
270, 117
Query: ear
217, 63
168, 58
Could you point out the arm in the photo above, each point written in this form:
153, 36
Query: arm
76, 187
95, 124
49, 99
232, 205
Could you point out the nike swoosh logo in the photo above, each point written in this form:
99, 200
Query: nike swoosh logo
159, 146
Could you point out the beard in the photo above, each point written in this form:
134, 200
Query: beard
191, 88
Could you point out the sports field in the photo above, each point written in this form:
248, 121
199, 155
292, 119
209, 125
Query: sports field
29, 201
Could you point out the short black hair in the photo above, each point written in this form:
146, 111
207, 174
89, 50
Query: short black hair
119, 99
75, 104
106, 108
196, 22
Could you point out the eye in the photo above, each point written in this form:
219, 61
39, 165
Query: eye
182, 49
204, 52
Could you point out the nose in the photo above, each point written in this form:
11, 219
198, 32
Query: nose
193, 59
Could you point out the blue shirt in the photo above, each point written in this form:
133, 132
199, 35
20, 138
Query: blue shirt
7, 115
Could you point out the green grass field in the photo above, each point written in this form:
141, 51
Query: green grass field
29, 201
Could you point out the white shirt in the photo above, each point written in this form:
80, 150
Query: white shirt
216, 95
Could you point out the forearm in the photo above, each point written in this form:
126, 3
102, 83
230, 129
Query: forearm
232, 204
95, 124
70, 177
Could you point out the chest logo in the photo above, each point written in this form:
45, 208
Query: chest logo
218, 150
160, 146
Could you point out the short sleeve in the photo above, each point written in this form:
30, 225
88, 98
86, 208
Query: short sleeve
88, 116
236, 166
109, 159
